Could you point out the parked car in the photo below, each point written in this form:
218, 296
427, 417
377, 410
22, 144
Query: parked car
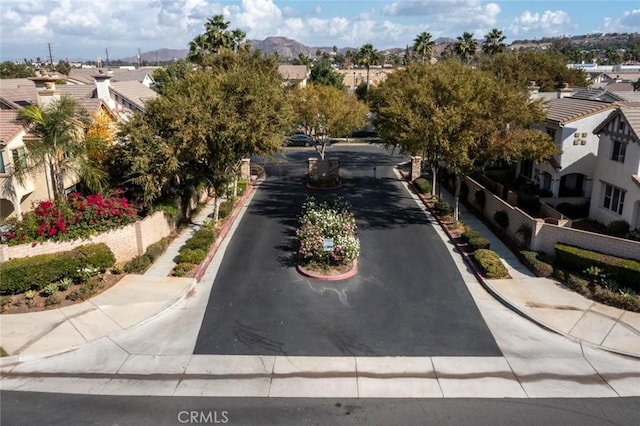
299, 140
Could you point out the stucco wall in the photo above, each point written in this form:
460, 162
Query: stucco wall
126, 243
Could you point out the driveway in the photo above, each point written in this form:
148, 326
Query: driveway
408, 298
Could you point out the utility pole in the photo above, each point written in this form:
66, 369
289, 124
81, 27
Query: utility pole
107, 56
50, 57
139, 59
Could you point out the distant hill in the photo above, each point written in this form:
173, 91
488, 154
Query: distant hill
288, 48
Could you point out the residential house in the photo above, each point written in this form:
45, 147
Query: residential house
18, 195
570, 122
294, 74
616, 184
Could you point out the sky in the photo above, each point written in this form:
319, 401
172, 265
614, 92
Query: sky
82, 30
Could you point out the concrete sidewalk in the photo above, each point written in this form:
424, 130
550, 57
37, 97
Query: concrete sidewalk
548, 303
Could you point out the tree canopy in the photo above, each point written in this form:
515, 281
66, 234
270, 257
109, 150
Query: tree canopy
423, 46
323, 73
465, 47
463, 116
547, 68
325, 111
494, 42
197, 133
216, 39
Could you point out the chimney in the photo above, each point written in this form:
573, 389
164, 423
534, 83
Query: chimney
103, 84
564, 91
46, 88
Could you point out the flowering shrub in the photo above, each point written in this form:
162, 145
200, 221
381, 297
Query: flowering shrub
74, 218
329, 219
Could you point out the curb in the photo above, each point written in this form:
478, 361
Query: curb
223, 233
350, 273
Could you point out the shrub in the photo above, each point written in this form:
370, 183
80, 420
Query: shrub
49, 289
20, 275
156, 249
137, 264
535, 264
624, 300
618, 228
477, 243
226, 207
490, 264
578, 284
30, 294
51, 300
481, 198
97, 255
65, 283
625, 271
243, 184
443, 208
501, 218
201, 239
422, 185
183, 269
191, 256
469, 234
169, 208
635, 234
117, 269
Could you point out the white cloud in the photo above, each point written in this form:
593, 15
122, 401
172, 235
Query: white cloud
550, 23
628, 22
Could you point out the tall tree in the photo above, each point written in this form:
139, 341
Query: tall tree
465, 47
204, 125
61, 147
463, 116
216, 39
323, 73
547, 68
494, 42
325, 111
367, 56
423, 46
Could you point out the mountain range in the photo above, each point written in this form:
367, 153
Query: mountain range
288, 48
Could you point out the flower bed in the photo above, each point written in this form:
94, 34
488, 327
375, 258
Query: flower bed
328, 220
77, 217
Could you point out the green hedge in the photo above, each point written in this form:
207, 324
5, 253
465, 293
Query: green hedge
156, 249
469, 234
35, 272
490, 264
191, 256
625, 271
201, 239
243, 184
422, 185
478, 243
97, 255
137, 264
226, 207
539, 267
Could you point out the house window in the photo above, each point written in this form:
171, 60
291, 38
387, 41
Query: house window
613, 198
551, 132
526, 168
19, 158
2, 169
619, 151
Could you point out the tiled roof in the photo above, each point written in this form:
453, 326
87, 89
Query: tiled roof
293, 72
565, 110
632, 115
77, 91
10, 125
20, 91
620, 87
134, 91
116, 74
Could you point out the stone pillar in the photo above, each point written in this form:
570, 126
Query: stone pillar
312, 166
334, 167
416, 167
245, 169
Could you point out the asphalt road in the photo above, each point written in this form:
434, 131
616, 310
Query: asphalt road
408, 298
29, 408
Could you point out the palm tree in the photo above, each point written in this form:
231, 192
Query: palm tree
423, 45
216, 33
61, 147
466, 47
493, 42
367, 56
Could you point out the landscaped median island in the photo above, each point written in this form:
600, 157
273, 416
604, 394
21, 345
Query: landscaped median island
329, 247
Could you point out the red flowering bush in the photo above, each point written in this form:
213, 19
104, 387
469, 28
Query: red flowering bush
74, 218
